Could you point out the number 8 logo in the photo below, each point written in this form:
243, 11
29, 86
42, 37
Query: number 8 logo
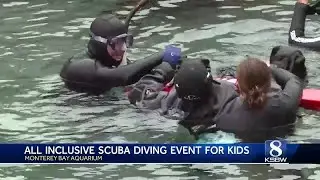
275, 148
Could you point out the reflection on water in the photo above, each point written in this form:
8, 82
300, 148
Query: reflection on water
38, 36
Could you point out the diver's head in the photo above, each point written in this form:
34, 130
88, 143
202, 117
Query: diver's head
109, 39
254, 81
193, 82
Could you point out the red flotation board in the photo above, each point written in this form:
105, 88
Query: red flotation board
311, 99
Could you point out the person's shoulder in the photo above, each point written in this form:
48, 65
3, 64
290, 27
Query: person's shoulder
78, 64
276, 104
226, 85
77, 59
79, 56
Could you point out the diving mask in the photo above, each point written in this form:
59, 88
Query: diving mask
120, 39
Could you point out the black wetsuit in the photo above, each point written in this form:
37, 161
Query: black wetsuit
297, 29
95, 72
280, 110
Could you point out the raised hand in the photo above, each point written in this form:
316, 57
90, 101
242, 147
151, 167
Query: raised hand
172, 55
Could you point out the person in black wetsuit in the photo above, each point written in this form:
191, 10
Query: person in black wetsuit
104, 65
197, 98
258, 110
297, 28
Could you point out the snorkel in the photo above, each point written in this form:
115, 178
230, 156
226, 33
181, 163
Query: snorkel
140, 5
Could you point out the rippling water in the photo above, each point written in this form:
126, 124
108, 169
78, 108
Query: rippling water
38, 36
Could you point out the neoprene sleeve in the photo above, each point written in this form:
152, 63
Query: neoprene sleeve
128, 74
292, 87
90, 76
297, 29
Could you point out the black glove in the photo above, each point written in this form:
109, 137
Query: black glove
290, 59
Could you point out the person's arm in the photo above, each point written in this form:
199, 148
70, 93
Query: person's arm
297, 27
148, 88
150, 85
292, 87
127, 74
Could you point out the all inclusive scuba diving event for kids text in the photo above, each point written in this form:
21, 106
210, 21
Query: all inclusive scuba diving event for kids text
274, 151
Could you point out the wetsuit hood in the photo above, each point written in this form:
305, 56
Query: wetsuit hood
198, 118
290, 59
193, 81
107, 26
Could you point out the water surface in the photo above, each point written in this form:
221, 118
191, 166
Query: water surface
38, 36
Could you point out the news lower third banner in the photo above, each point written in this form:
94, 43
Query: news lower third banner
266, 153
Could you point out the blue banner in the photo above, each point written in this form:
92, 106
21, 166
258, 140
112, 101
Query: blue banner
266, 153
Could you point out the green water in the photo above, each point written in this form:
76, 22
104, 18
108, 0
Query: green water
38, 36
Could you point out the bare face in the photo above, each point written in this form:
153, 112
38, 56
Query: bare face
117, 50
